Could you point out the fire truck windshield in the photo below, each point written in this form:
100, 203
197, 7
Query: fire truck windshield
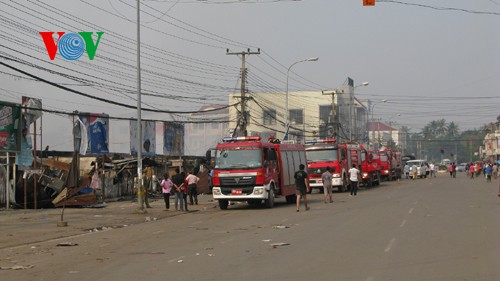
321, 155
238, 159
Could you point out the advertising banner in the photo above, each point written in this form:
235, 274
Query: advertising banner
10, 127
96, 126
173, 144
148, 138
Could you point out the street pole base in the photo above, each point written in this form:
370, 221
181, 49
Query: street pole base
62, 223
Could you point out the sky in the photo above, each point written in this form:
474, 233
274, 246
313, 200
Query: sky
429, 59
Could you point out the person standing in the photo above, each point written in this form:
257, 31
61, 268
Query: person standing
432, 170
414, 171
192, 182
178, 180
407, 170
166, 188
326, 177
354, 178
301, 186
398, 173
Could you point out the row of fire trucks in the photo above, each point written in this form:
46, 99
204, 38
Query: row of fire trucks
249, 169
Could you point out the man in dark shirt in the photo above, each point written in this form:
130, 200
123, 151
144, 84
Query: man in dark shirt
178, 180
301, 186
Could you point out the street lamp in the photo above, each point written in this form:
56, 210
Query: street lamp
372, 108
286, 99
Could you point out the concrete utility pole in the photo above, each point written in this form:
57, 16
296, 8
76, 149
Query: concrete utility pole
140, 191
333, 116
243, 117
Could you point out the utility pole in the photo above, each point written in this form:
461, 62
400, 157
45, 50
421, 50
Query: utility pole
334, 116
242, 120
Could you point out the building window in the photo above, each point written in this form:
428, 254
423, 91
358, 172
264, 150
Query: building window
296, 116
270, 117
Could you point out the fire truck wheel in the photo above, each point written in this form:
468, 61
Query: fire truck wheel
223, 204
270, 199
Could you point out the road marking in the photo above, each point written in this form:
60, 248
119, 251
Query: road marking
388, 248
410, 211
225, 241
176, 259
403, 223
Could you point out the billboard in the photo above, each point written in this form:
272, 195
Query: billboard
173, 136
148, 138
10, 126
96, 126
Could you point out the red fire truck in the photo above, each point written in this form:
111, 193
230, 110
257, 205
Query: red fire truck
327, 153
247, 169
388, 162
370, 168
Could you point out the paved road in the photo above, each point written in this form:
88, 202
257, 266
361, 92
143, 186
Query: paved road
428, 229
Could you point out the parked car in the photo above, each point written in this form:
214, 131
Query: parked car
461, 167
421, 168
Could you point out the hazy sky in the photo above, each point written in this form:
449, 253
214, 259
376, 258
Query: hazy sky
428, 62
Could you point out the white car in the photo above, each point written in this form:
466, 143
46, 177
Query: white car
421, 167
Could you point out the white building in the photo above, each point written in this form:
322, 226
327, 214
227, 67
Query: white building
382, 135
311, 115
205, 129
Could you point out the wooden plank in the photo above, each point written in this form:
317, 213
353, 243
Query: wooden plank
56, 164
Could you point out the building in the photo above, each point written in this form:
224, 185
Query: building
204, 129
312, 114
382, 135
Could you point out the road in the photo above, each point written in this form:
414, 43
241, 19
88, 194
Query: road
428, 229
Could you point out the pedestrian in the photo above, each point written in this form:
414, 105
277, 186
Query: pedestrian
185, 191
301, 186
326, 177
414, 171
192, 182
472, 170
454, 169
166, 188
488, 171
427, 170
398, 173
432, 170
354, 178
450, 169
407, 170
178, 180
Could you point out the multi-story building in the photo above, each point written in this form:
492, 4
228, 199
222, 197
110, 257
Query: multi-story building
312, 114
204, 129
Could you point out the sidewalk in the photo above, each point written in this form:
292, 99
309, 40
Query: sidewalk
21, 227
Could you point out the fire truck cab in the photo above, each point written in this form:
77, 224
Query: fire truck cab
247, 169
327, 153
370, 168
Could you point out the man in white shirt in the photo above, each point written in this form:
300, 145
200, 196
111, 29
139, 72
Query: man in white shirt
354, 178
432, 171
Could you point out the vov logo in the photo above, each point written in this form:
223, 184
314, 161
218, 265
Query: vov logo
70, 45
